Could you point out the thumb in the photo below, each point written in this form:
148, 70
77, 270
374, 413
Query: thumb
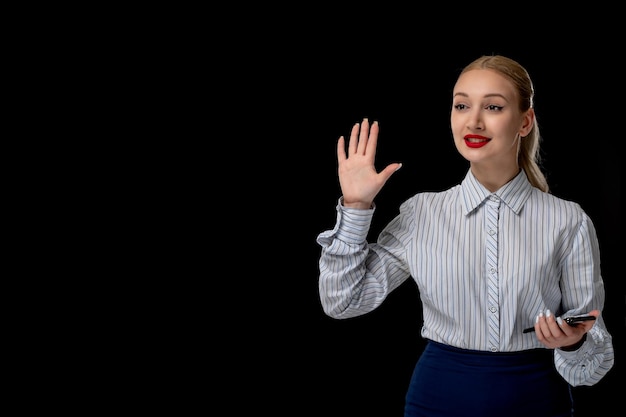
390, 169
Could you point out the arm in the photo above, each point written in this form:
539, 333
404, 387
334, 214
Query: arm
353, 278
583, 353
356, 277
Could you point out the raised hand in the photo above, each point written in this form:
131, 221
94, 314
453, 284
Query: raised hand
359, 180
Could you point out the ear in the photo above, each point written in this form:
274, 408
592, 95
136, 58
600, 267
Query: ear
528, 122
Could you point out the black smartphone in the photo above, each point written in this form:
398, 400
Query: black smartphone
572, 320
577, 319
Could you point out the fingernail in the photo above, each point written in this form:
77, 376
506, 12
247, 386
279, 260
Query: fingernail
548, 313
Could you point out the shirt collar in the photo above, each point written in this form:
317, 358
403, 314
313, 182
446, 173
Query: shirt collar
514, 193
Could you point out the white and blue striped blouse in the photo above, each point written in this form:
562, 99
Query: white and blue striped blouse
485, 265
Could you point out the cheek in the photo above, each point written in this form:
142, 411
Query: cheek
456, 125
453, 121
511, 129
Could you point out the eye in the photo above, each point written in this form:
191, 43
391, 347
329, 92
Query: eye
460, 106
493, 107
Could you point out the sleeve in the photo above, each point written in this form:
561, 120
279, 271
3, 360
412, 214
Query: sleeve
355, 276
583, 291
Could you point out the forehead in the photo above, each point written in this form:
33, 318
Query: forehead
484, 82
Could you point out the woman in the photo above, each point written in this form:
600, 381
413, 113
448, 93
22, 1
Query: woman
491, 256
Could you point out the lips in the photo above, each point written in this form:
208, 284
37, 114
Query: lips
476, 141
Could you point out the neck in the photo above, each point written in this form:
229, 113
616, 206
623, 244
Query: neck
493, 179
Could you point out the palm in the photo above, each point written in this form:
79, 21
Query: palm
359, 180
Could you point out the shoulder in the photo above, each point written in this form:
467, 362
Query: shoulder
557, 203
558, 208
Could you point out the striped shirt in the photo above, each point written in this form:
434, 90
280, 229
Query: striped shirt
485, 265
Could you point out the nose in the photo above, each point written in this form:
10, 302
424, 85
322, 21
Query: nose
474, 121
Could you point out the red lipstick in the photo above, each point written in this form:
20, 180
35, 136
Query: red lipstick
476, 141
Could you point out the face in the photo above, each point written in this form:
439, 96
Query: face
485, 119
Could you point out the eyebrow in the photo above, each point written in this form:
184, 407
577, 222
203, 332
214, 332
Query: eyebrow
486, 96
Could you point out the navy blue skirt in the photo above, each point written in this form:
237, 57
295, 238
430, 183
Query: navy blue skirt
453, 382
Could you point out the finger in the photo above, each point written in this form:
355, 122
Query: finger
389, 170
354, 139
540, 323
363, 137
553, 326
565, 328
341, 149
542, 327
372, 141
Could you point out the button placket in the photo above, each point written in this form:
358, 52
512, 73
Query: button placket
491, 244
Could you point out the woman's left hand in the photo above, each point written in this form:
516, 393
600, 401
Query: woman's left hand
554, 333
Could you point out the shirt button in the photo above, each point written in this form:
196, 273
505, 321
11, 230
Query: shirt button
494, 349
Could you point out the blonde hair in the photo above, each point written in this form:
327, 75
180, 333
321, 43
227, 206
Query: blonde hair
529, 156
